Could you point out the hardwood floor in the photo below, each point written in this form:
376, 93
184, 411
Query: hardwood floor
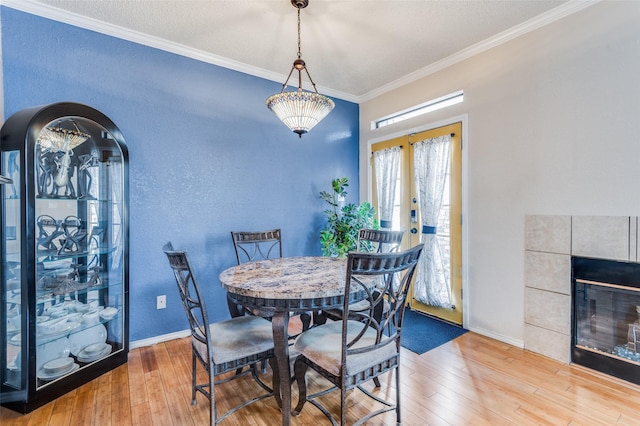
472, 380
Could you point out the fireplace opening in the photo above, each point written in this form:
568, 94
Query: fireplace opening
605, 330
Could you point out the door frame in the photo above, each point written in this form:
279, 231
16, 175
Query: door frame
464, 119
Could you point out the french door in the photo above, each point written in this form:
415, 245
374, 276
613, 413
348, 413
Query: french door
407, 214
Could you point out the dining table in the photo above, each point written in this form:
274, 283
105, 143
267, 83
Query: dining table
279, 287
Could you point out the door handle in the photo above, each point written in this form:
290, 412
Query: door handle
414, 231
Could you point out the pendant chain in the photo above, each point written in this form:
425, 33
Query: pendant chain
299, 48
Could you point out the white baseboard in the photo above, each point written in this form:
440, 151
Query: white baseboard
159, 339
500, 337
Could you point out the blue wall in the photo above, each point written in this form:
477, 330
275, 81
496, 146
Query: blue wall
206, 155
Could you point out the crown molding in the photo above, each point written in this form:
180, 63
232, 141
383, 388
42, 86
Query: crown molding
566, 9
49, 12
77, 20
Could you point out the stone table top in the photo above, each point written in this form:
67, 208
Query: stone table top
308, 277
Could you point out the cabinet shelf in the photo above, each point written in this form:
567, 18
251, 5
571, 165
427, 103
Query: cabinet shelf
49, 257
14, 297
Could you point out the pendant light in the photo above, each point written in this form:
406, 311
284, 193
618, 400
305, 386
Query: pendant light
300, 110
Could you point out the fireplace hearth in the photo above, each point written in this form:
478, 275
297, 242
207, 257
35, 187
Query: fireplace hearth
605, 332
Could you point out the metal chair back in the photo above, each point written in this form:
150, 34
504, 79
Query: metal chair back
191, 296
256, 245
379, 240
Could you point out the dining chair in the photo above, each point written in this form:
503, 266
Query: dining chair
259, 245
358, 348
250, 246
371, 241
379, 240
220, 347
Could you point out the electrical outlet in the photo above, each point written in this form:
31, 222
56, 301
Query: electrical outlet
161, 302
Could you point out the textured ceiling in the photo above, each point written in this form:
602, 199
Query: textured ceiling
352, 48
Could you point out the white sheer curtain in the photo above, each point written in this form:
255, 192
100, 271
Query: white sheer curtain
431, 161
386, 163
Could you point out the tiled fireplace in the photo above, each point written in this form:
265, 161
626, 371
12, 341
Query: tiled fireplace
550, 244
606, 311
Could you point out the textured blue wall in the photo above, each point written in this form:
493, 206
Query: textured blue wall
206, 155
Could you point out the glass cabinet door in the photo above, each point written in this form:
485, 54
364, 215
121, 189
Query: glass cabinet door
79, 246
13, 374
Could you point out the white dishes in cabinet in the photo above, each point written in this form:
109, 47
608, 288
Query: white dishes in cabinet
86, 337
52, 329
58, 365
108, 313
16, 340
58, 348
14, 364
94, 352
13, 324
91, 317
56, 368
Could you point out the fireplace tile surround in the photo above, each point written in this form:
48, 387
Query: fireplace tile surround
550, 241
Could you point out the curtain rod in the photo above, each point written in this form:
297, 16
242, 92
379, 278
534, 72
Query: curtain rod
411, 143
413, 134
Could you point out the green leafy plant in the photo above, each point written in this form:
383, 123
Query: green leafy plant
343, 223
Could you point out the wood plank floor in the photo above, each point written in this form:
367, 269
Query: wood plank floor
472, 380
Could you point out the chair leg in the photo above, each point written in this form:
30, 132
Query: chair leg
193, 378
378, 309
213, 414
235, 310
376, 381
276, 381
300, 369
319, 318
343, 407
398, 418
305, 318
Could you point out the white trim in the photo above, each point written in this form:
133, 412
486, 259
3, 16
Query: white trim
500, 337
566, 9
159, 339
466, 287
49, 12
418, 110
420, 128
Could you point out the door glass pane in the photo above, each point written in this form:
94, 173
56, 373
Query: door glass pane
397, 204
444, 229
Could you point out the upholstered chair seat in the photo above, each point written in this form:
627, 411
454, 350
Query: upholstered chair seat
323, 346
241, 337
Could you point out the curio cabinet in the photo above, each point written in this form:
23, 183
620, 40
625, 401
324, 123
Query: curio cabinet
64, 270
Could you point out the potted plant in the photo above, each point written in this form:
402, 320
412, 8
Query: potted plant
344, 221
